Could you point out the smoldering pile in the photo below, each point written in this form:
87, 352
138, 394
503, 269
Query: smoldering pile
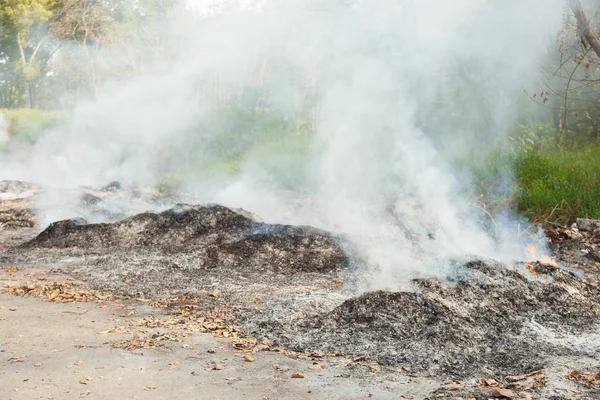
506, 318
26, 204
218, 236
488, 317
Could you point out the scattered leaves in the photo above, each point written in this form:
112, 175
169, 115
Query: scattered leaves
136, 342
587, 379
65, 292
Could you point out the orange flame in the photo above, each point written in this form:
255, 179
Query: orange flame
547, 260
543, 259
532, 250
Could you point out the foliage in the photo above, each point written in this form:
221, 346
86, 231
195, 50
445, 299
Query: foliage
232, 137
559, 185
27, 124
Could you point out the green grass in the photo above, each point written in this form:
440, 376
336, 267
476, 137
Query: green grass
559, 185
27, 124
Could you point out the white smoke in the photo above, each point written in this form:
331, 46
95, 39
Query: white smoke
400, 90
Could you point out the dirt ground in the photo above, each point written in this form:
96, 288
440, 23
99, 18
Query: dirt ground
56, 350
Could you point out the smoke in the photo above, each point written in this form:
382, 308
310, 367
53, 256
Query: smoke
3, 129
351, 116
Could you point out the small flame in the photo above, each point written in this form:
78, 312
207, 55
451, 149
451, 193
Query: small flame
532, 250
542, 259
547, 260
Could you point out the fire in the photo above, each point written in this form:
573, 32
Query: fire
543, 259
532, 250
547, 260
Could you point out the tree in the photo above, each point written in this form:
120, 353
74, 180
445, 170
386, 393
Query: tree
89, 24
26, 23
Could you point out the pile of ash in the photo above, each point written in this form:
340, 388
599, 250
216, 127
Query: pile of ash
12, 189
487, 316
14, 218
14, 210
492, 317
218, 236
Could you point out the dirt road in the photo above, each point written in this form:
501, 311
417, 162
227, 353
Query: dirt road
51, 350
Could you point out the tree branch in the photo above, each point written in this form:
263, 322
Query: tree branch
584, 26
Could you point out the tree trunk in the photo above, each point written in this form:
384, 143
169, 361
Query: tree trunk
584, 26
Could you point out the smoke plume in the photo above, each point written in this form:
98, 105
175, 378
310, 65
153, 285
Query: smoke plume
352, 116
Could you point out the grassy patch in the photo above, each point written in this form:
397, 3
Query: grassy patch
26, 123
559, 185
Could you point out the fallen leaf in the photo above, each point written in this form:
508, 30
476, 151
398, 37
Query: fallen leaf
584, 334
516, 377
525, 395
248, 358
195, 373
282, 367
375, 368
215, 293
150, 387
219, 367
37, 365
315, 366
406, 397
78, 362
12, 309
297, 375
574, 374
83, 382
174, 363
506, 393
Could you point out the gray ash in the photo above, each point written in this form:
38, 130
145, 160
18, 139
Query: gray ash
490, 318
220, 237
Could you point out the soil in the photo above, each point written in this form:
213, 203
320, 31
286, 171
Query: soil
293, 288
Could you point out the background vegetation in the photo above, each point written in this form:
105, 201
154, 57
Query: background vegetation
54, 53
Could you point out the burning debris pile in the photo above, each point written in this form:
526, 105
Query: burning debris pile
218, 236
489, 316
486, 316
